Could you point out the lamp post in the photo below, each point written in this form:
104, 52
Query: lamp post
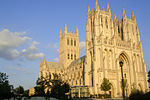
121, 65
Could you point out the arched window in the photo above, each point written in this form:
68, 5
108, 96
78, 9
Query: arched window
74, 42
71, 42
68, 56
106, 23
71, 56
67, 41
75, 57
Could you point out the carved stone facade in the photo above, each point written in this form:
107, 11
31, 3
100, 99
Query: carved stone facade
107, 43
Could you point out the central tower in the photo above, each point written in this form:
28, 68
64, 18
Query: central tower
68, 46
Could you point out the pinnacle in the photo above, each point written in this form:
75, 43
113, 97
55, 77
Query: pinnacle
124, 13
77, 32
77, 29
65, 28
115, 17
88, 10
129, 17
133, 16
103, 8
108, 8
96, 6
60, 31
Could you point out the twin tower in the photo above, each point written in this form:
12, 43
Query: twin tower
68, 46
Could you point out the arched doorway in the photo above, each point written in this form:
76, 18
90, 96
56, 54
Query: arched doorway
112, 90
126, 72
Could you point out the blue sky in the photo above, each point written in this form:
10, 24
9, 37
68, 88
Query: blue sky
29, 30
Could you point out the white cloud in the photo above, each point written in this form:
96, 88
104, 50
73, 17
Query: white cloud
32, 52
20, 69
56, 59
82, 45
34, 56
11, 41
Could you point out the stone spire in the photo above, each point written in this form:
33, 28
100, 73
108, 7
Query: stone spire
92, 11
119, 19
65, 28
60, 33
96, 6
44, 61
108, 8
129, 17
103, 8
124, 14
115, 18
77, 32
133, 16
89, 12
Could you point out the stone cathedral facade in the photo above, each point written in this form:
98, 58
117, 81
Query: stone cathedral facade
107, 42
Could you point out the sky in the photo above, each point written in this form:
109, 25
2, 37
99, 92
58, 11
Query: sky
29, 31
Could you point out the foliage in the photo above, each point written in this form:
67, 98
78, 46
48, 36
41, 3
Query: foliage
46, 86
5, 88
19, 91
26, 93
149, 77
39, 90
133, 89
139, 95
59, 89
125, 84
106, 85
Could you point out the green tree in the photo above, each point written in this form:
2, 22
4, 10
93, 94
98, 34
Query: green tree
26, 93
52, 87
5, 88
125, 85
19, 91
59, 89
106, 85
39, 89
149, 77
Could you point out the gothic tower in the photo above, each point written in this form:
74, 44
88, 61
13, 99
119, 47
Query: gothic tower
107, 44
68, 46
99, 25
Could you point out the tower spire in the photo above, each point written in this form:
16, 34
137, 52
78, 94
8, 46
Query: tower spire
103, 8
60, 32
124, 14
129, 17
88, 12
96, 6
65, 28
44, 60
77, 32
108, 8
115, 18
133, 16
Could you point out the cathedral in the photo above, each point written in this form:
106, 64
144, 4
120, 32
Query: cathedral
108, 41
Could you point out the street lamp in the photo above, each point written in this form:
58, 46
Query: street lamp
121, 64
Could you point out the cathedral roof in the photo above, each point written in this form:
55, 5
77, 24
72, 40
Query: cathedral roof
79, 60
54, 65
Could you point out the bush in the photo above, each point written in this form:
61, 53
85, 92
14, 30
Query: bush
139, 95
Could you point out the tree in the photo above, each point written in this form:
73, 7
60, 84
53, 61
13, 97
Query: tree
149, 77
5, 88
19, 91
125, 85
46, 86
59, 89
26, 93
106, 85
39, 89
